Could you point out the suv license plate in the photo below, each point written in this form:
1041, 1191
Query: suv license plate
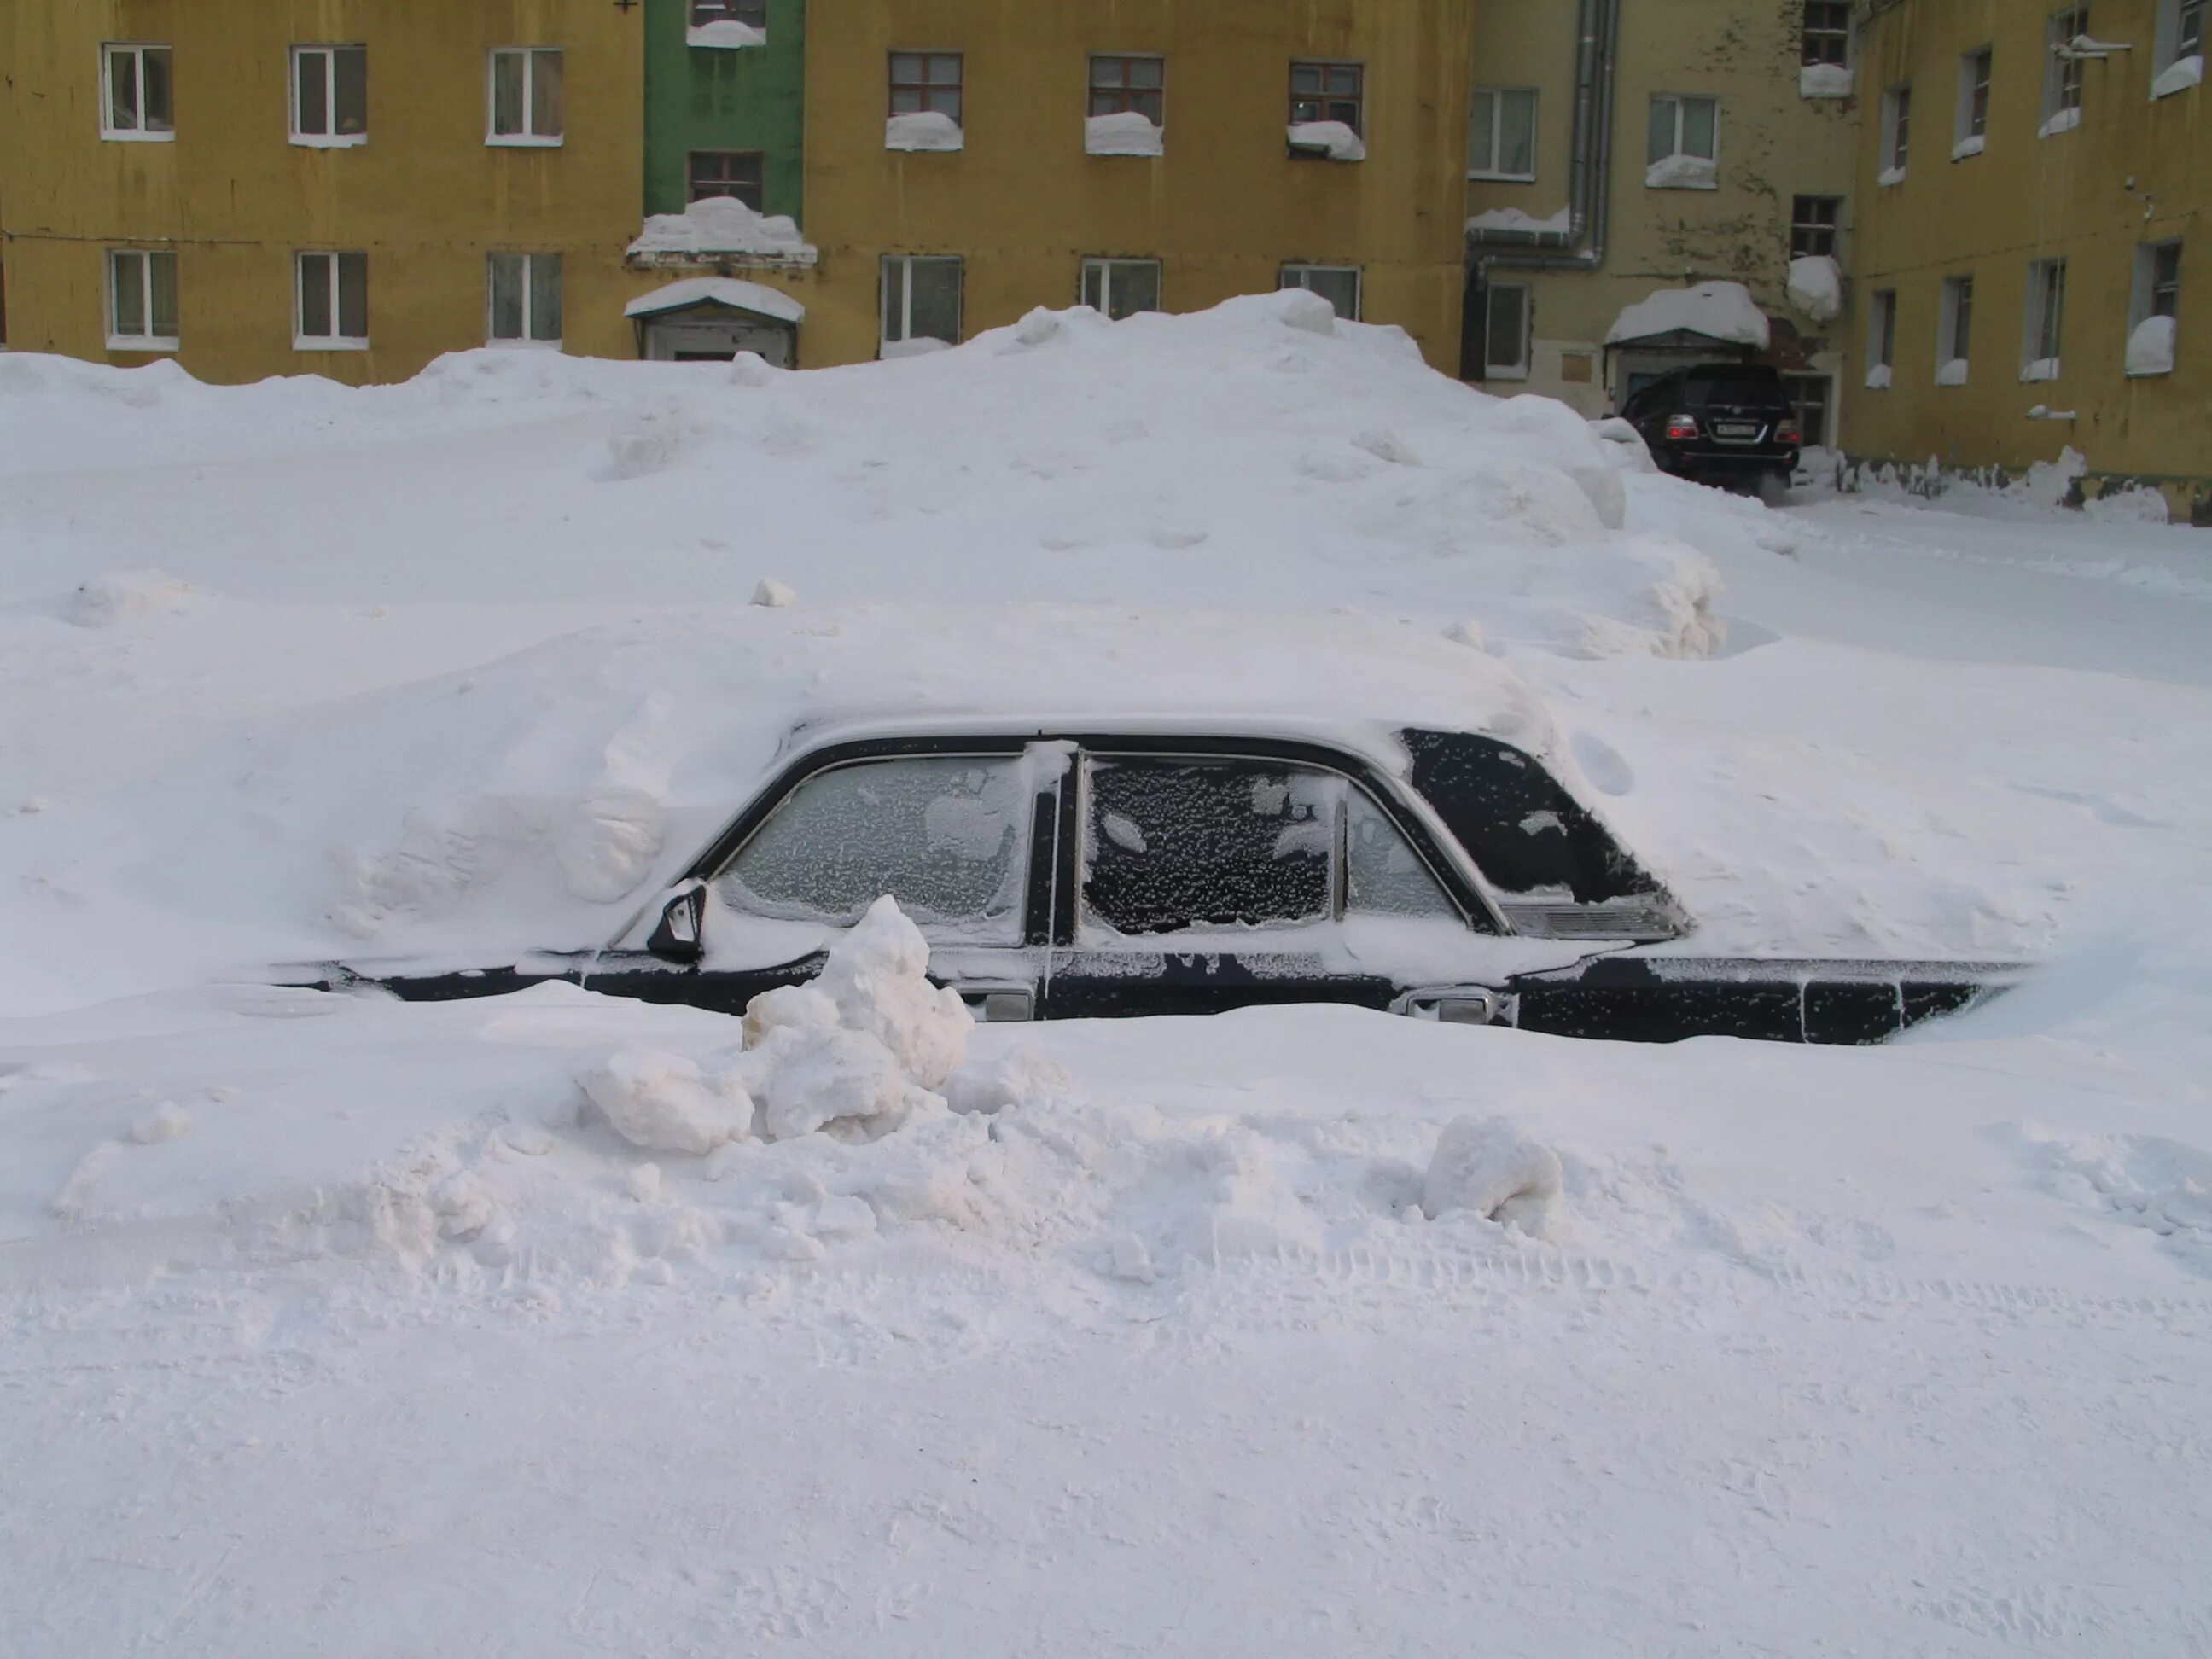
1736, 429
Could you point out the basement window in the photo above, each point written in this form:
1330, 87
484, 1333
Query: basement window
136, 98
527, 105
331, 308
330, 96
1122, 288
920, 303
142, 300
1338, 284
523, 299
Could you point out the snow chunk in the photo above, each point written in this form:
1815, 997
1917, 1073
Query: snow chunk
732, 291
1720, 310
773, 594
1682, 173
726, 34
722, 224
1816, 286
877, 975
1333, 138
1513, 219
923, 130
124, 594
2134, 503
1824, 81
1488, 1166
2150, 347
1304, 310
2179, 75
665, 1104
1125, 132
1953, 373
1879, 377
811, 1076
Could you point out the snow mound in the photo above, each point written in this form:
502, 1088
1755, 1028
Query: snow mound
721, 224
667, 1104
1816, 286
124, 596
1719, 311
1127, 132
1487, 1166
923, 130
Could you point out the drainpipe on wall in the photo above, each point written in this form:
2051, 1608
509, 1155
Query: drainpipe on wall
1590, 201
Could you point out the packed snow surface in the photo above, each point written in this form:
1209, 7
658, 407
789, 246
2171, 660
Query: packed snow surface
1127, 132
1719, 311
552, 1323
723, 225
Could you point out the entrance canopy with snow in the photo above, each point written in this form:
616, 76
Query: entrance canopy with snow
1716, 314
715, 318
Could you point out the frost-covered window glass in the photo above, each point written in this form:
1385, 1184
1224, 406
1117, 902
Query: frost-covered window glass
142, 299
1813, 223
1505, 333
2045, 320
1122, 288
947, 835
329, 95
1974, 119
2061, 80
926, 84
134, 96
1686, 127
1338, 284
332, 302
527, 107
1383, 873
1119, 85
524, 292
1328, 92
921, 298
1827, 37
1501, 142
1171, 845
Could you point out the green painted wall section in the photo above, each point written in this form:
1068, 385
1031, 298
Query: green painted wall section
713, 98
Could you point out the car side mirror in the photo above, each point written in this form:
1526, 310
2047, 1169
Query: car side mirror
678, 935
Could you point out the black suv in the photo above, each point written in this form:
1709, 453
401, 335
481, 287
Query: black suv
1725, 423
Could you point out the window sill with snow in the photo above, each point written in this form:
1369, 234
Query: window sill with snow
727, 35
925, 131
1878, 378
1953, 373
1889, 178
1825, 81
1331, 139
141, 342
2064, 121
2043, 368
1966, 147
2179, 75
1682, 173
1127, 132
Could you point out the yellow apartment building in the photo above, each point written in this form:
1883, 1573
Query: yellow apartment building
2031, 259
968, 160
1622, 149
339, 187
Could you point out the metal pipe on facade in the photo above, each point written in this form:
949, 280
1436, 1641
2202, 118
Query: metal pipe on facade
1590, 201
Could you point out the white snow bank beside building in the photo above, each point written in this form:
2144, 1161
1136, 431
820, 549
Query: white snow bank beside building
1720, 310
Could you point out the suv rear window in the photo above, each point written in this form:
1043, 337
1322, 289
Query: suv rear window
1760, 386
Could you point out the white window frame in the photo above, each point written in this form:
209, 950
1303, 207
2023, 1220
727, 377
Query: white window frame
527, 340
1498, 96
1896, 133
1300, 275
1680, 100
328, 51
524, 140
1493, 369
2039, 326
1977, 74
1882, 338
135, 50
1949, 349
325, 341
2058, 115
2141, 296
148, 341
906, 262
1105, 267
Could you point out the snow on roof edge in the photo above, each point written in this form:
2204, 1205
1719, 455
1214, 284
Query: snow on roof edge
732, 291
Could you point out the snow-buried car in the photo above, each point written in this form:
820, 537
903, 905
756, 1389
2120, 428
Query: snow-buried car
1148, 861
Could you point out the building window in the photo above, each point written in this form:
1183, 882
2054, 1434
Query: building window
1122, 85
523, 299
1827, 32
1685, 143
1970, 130
732, 173
1505, 331
2181, 42
142, 301
2045, 320
1328, 92
135, 97
1338, 284
332, 311
1882, 338
2062, 78
921, 300
1122, 288
926, 82
1954, 331
1809, 396
1501, 142
1896, 134
2154, 312
753, 14
329, 95
526, 103
1813, 222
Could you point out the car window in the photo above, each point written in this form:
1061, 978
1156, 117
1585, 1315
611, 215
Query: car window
1383, 874
1170, 845
946, 836
1759, 389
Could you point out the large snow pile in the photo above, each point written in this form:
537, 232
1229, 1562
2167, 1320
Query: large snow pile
1720, 310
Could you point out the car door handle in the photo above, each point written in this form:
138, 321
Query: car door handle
997, 1004
1459, 1004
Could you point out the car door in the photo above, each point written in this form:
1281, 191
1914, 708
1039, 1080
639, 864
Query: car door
958, 831
1199, 877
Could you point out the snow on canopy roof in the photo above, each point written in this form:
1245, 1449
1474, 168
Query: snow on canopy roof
732, 291
1720, 310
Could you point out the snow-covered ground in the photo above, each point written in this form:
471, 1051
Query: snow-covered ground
332, 1324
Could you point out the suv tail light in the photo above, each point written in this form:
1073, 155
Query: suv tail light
1681, 426
1787, 433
